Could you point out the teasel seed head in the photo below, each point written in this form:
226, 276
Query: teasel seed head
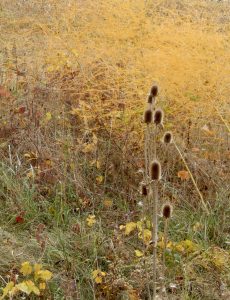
155, 170
168, 137
144, 190
150, 99
158, 117
154, 90
167, 210
148, 116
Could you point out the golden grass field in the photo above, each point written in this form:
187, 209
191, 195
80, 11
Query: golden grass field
74, 78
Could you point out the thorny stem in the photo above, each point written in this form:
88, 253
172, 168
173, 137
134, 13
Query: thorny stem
145, 265
147, 151
165, 242
154, 234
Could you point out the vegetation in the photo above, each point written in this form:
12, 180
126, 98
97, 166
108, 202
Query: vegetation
78, 217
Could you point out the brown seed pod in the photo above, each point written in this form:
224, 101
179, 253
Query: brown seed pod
158, 116
154, 90
167, 210
148, 116
150, 99
144, 190
155, 170
168, 137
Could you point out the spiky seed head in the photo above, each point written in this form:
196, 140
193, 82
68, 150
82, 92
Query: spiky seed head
148, 116
158, 116
155, 170
168, 137
150, 99
167, 210
154, 90
144, 190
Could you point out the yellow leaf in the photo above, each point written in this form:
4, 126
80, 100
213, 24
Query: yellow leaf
98, 279
98, 275
42, 285
148, 224
44, 275
108, 203
8, 288
140, 225
139, 253
99, 179
190, 245
98, 164
186, 246
26, 268
37, 267
146, 236
95, 162
48, 116
28, 287
13, 291
179, 248
129, 227
95, 273
91, 220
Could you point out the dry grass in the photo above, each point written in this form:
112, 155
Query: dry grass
73, 81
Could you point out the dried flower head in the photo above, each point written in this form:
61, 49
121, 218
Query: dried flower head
154, 90
155, 170
158, 116
144, 190
167, 210
168, 137
150, 99
148, 116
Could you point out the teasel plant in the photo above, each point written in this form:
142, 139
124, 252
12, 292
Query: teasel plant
153, 118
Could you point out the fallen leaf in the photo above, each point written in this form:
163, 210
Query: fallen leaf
129, 227
43, 275
8, 288
91, 220
19, 219
26, 268
28, 287
146, 236
108, 203
139, 253
4, 92
99, 179
183, 175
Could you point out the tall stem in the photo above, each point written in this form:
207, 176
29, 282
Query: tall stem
154, 234
165, 243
